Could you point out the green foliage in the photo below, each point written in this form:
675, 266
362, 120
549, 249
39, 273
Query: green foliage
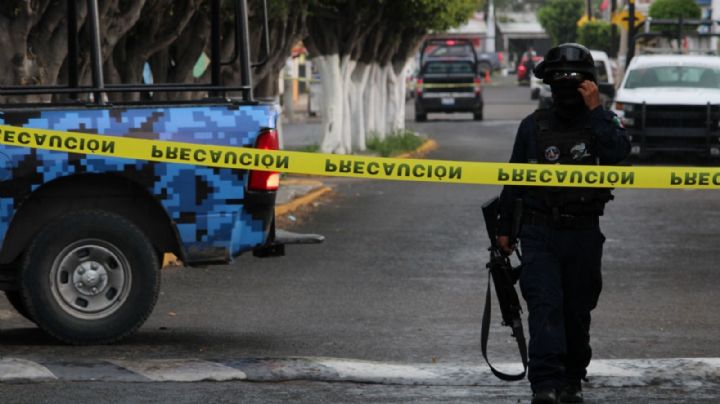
596, 35
399, 19
430, 15
513, 5
559, 18
674, 9
395, 143
312, 148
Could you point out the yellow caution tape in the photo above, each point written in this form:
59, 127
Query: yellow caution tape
454, 172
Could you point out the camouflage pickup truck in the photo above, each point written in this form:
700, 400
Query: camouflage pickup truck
83, 236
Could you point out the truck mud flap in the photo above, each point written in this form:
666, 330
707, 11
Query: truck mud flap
282, 238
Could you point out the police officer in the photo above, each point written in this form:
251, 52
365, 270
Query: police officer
560, 236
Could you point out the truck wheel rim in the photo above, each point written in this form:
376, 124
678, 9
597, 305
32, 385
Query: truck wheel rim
90, 279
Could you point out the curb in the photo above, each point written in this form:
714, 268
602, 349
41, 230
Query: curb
612, 373
306, 199
425, 148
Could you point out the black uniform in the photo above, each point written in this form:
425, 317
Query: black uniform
561, 239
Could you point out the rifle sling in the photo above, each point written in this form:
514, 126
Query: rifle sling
484, 340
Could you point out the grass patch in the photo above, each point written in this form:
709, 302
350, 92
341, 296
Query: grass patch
395, 143
313, 148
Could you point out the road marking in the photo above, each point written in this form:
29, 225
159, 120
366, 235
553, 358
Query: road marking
425, 148
372, 371
181, 370
673, 372
296, 203
8, 314
18, 370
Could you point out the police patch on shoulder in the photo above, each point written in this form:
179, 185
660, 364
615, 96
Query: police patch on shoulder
579, 151
552, 153
618, 122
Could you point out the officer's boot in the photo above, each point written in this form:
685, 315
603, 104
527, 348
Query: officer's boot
571, 393
545, 397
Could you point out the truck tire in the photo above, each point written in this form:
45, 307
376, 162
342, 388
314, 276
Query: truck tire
420, 117
17, 302
478, 115
90, 277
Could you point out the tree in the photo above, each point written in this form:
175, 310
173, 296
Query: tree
595, 35
674, 9
160, 24
361, 49
513, 5
170, 35
287, 20
32, 36
559, 18
336, 31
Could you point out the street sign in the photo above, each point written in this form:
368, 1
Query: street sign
621, 19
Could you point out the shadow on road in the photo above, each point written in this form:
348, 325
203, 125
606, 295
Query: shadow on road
688, 160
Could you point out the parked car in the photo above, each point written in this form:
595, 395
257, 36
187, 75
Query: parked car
605, 78
536, 86
525, 65
671, 104
488, 61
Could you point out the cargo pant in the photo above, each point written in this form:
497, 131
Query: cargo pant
561, 283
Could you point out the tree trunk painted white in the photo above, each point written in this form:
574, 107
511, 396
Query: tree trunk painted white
358, 86
346, 70
331, 106
385, 72
396, 98
376, 101
402, 89
370, 98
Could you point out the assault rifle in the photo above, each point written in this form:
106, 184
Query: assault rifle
502, 274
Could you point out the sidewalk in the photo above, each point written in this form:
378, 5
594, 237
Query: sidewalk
296, 192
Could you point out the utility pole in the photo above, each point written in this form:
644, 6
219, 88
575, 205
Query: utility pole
490, 40
614, 30
588, 9
715, 15
631, 32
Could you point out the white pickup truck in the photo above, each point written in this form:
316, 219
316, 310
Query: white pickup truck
671, 104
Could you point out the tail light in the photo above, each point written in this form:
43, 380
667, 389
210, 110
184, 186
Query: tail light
478, 85
419, 87
521, 70
265, 180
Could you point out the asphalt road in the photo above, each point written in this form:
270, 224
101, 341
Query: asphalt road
401, 279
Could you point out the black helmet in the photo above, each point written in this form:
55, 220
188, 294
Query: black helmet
568, 57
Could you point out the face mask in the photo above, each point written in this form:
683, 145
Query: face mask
565, 94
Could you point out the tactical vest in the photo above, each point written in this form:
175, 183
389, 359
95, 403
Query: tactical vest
577, 146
